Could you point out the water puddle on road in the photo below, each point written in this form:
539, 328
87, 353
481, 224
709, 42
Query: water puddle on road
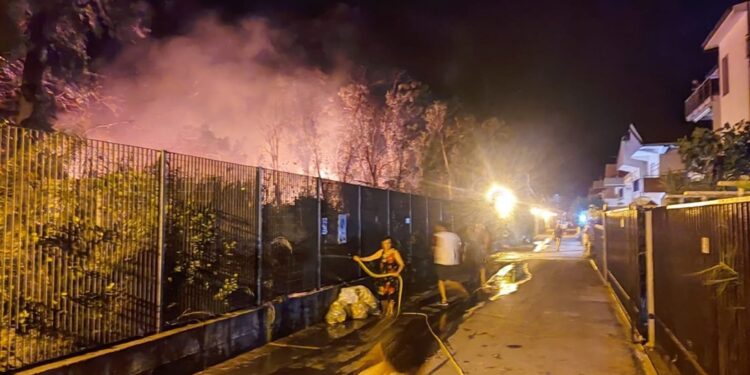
402, 345
407, 343
507, 280
541, 245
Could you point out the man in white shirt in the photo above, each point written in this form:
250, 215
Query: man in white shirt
447, 256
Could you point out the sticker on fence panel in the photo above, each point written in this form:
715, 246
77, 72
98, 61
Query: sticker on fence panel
342, 238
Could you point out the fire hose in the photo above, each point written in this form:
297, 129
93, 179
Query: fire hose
384, 275
398, 311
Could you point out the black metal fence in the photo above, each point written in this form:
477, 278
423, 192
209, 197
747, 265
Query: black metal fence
341, 232
598, 250
79, 260
105, 242
701, 285
699, 293
210, 227
626, 263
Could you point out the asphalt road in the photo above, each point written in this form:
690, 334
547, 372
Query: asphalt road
548, 313
560, 321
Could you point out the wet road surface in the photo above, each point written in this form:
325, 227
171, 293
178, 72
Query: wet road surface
561, 321
546, 313
343, 349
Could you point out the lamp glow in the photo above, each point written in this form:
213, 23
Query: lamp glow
542, 213
502, 199
583, 218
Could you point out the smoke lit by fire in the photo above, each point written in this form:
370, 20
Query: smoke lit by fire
223, 92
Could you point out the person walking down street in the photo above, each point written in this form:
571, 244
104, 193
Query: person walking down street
392, 264
447, 258
586, 239
558, 235
485, 252
477, 248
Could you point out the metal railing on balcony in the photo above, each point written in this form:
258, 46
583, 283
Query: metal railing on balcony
614, 181
698, 104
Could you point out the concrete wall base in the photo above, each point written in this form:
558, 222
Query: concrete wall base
194, 347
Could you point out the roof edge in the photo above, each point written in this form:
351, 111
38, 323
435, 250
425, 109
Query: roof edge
724, 16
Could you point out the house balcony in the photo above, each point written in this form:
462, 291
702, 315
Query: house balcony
699, 106
614, 181
596, 187
610, 194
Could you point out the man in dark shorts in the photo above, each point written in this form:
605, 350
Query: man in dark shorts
447, 258
477, 249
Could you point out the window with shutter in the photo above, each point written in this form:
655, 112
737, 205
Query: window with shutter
724, 75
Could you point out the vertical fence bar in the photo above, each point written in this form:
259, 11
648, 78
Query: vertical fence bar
605, 270
411, 233
388, 212
160, 240
650, 279
359, 225
318, 254
259, 238
440, 215
427, 221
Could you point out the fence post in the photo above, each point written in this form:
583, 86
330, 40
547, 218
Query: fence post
605, 268
440, 215
411, 232
359, 226
427, 219
388, 212
319, 254
650, 278
259, 239
160, 239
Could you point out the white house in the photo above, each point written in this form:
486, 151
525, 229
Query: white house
638, 171
610, 189
724, 95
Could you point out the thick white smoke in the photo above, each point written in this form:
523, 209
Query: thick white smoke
223, 92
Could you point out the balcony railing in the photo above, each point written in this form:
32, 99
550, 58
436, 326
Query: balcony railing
611, 193
698, 104
614, 181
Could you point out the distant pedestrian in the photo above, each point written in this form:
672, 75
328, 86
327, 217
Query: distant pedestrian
447, 248
558, 235
390, 263
586, 239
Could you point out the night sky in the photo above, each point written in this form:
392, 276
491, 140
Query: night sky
577, 74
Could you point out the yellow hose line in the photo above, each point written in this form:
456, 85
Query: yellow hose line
426, 318
293, 346
383, 275
440, 342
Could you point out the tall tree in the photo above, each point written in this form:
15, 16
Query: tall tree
404, 125
365, 131
438, 141
305, 115
60, 44
465, 154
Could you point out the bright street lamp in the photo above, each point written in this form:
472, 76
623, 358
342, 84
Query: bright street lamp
502, 199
